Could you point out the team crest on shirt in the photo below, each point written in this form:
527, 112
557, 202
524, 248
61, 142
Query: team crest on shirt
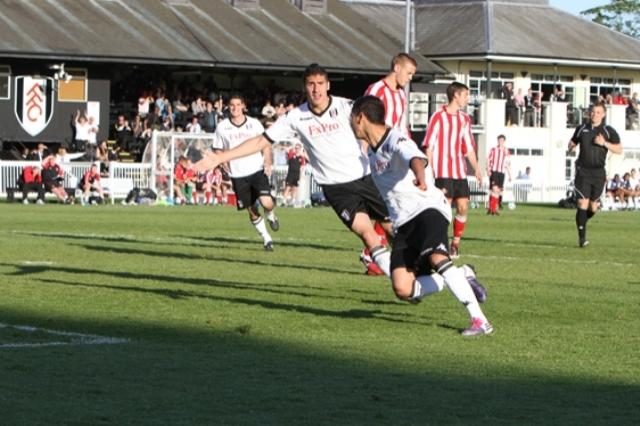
333, 113
380, 166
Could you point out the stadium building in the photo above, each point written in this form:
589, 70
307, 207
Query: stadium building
107, 46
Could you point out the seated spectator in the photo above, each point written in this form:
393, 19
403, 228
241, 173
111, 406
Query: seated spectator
626, 192
198, 106
611, 194
194, 126
31, 181
215, 187
40, 153
618, 99
52, 178
105, 155
91, 183
180, 179
122, 133
268, 111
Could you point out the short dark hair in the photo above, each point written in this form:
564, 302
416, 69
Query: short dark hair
600, 104
237, 95
402, 57
314, 69
372, 108
502, 137
454, 88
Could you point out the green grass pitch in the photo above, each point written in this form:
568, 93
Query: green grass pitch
176, 316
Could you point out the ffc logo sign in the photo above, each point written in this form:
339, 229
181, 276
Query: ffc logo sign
34, 103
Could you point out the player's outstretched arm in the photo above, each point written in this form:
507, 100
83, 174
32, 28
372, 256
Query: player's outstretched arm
248, 147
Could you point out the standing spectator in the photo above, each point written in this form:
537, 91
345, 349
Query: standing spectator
529, 113
511, 111
633, 112
595, 141
520, 105
209, 118
52, 178
31, 180
449, 144
537, 108
296, 159
497, 164
92, 141
82, 128
144, 102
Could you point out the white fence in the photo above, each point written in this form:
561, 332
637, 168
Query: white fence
522, 191
122, 176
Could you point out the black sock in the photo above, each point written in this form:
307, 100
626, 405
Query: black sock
581, 223
590, 214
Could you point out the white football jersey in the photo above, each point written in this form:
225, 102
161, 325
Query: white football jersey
391, 172
335, 155
228, 136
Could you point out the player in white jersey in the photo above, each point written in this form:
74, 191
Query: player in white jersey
338, 163
249, 174
390, 90
420, 214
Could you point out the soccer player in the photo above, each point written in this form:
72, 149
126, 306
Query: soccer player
595, 140
390, 90
336, 157
448, 144
323, 124
249, 174
419, 211
498, 162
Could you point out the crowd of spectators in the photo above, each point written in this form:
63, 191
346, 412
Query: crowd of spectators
623, 193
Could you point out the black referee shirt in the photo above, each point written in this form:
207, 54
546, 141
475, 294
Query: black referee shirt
593, 156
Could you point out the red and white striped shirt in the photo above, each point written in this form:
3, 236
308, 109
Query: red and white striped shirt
395, 104
450, 139
498, 159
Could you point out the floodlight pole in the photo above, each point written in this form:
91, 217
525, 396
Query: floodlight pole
407, 26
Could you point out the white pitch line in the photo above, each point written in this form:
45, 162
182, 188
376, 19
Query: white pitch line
76, 338
551, 260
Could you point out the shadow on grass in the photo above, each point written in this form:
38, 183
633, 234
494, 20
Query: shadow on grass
178, 375
193, 256
282, 243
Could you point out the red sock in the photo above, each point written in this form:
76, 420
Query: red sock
207, 197
381, 233
493, 203
194, 197
458, 226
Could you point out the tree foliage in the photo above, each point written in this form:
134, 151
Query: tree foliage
619, 15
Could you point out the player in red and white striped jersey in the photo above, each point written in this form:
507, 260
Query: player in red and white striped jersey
448, 144
498, 162
390, 90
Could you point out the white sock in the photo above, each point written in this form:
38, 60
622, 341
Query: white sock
262, 229
382, 258
457, 283
426, 285
270, 215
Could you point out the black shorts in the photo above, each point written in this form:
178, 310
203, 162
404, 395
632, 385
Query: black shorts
454, 188
589, 183
249, 188
422, 236
497, 179
52, 184
293, 177
358, 196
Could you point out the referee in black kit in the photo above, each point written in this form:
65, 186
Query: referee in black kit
595, 141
